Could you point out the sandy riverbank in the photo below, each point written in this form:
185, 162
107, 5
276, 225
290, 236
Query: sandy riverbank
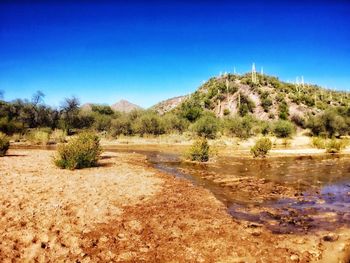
299, 145
126, 211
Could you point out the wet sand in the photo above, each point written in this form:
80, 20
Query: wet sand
126, 211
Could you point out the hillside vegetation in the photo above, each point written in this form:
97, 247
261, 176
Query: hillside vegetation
229, 105
268, 98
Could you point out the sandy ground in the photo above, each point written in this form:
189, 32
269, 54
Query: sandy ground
126, 211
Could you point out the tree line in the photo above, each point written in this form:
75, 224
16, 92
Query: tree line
20, 116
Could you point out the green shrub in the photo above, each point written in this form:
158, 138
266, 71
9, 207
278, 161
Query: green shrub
207, 126
102, 109
4, 144
261, 147
10, 127
232, 89
283, 128
80, 152
39, 137
121, 126
102, 122
149, 123
246, 105
316, 125
199, 151
283, 110
208, 104
191, 109
174, 123
329, 122
264, 127
266, 101
319, 143
334, 146
240, 127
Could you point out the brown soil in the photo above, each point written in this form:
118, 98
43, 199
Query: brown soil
125, 211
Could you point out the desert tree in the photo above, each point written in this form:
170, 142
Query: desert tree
69, 110
38, 97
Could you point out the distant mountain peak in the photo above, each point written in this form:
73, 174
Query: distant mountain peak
125, 106
86, 107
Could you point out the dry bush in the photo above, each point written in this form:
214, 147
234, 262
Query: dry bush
80, 152
335, 146
261, 147
39, 137
199, 151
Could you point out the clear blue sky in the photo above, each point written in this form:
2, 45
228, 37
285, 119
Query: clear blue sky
149, 51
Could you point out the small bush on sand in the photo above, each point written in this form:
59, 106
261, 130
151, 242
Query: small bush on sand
318, 142
40, 137
4, 144
261, 147
80, 152
199, 150
334, 146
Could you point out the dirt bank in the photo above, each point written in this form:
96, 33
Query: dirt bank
125, 211
44, 210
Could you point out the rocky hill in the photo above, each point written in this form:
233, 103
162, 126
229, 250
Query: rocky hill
266, 97
169, 104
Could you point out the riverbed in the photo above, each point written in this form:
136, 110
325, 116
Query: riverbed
287, 194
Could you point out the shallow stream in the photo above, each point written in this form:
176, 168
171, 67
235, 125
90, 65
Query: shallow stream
321, 185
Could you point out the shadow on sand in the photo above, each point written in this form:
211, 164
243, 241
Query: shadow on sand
15, 155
